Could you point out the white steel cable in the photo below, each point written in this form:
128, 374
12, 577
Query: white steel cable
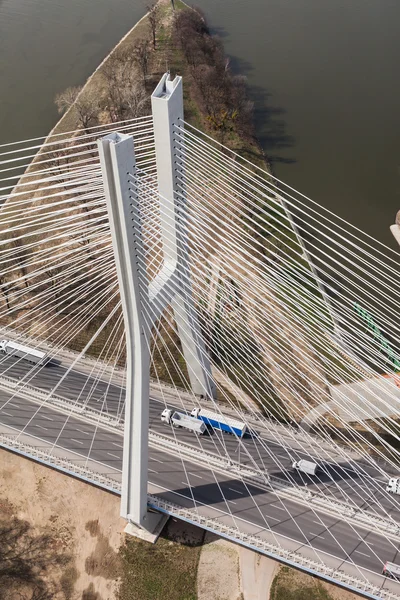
268, 176
115, 125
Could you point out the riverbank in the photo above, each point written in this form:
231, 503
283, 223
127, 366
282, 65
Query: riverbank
97, 104
223, 120
216, 102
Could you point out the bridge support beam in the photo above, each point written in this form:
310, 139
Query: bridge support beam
139, 296
167, 109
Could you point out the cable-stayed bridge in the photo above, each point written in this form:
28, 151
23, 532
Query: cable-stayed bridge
245, 298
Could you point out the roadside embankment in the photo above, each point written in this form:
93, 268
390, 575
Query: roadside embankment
67, 542
64, 538
290, 584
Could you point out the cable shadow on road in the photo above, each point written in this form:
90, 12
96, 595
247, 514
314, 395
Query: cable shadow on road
212, 494
327, 473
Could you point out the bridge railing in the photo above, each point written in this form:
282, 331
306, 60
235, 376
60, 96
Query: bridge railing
280, 428
249, 475
288, 557
253, 542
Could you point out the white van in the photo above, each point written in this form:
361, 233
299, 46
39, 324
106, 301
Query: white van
394, 485
391, 570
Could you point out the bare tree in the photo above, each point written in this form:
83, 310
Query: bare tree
118, 72
86, 105
126, 97
142, 55
65, 99
60, 161
5, 290
135, 100
154, 19
88, 109
221, 96
24, 562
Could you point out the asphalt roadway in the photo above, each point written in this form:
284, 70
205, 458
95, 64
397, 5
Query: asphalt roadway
339, 482
248, 503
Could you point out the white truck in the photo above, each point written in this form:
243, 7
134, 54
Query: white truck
394, 485
38, 357
177, 419
306, 466
391, 570
220, 421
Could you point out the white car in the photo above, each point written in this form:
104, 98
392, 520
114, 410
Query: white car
394, 485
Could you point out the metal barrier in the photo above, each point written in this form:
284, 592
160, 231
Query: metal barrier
254, 542
59, 463
289, 557
251, 476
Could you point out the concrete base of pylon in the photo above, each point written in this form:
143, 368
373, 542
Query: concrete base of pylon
154, 525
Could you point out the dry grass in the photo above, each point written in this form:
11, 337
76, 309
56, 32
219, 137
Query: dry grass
68, 538
74, 528
290, 584
166, 570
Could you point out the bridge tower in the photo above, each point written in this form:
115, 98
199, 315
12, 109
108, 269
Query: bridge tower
139, 296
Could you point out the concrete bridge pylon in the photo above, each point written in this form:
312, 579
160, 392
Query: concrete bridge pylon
139, 296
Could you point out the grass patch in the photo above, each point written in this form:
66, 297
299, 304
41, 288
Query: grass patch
292, 585
166, 570
67, 582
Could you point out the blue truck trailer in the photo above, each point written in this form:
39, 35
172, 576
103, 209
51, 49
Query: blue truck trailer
218, 421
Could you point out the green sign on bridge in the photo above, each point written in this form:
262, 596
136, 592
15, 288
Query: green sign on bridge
378, 335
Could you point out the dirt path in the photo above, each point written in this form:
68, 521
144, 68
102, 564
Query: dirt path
257, 574
218, 574
230, 572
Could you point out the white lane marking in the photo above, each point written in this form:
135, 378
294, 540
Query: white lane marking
232, 502
77, 441
237, 491
194, 475
278, 507
317, 535
151, 470
114, 455
40, 427
156, 459
358, 552
116, 469
318, 522
274, 518
118, 445
12, 404
282, 455
4, 412
44, 417
81, 431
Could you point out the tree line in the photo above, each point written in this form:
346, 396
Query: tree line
220, 95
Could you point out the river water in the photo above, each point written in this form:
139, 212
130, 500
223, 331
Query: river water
323, 76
